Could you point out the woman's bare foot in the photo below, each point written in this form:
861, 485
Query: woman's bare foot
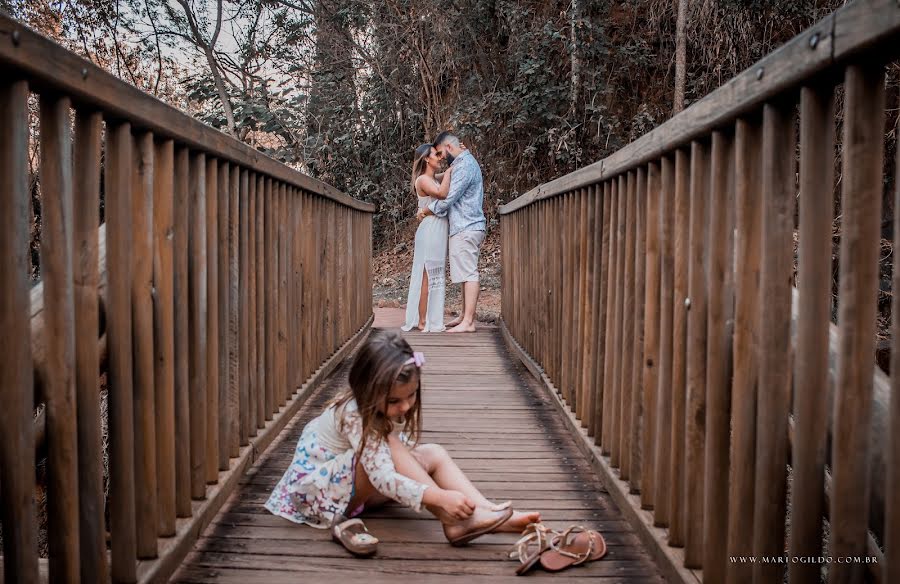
421, 326
519, 521
454, 322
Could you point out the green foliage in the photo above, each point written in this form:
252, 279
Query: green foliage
346, 89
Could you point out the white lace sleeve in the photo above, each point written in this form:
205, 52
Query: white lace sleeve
379, 466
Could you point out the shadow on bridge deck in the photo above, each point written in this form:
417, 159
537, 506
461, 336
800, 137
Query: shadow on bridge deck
484, 407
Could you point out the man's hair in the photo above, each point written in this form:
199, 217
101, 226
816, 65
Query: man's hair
446, 137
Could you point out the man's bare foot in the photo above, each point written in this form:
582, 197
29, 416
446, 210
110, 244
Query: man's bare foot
463, 328
519, 521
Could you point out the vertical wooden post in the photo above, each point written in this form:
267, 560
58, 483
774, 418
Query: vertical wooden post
609, 356
260, 329
272, 250
861, 199
626, 387
243, 335
718, 356
618, 352
306, 308
17, 510
59, 323
695, 403
650, 362
212, 321
748, 221
92, 531
182, 342
774, 389
235, 257
281, 332
603, 311
662, 450
589, 297
297, 284
197, 321
142, 334
679, 342
636, 387
252, 328
164, 333
559, 289
117, 188
223, 286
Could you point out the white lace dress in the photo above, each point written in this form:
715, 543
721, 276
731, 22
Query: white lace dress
430, 256
319, 482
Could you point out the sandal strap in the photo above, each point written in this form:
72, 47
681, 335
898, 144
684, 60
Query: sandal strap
563, 537
534, 532
351, 523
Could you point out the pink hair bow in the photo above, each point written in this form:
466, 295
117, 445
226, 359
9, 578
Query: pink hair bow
418, 358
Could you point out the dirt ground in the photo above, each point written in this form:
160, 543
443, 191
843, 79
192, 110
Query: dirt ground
392, 271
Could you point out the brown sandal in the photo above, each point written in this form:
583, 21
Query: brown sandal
537, 534
353, 535
574, 546
500, 517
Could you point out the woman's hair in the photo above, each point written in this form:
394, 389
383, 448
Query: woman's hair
379, 364
419, 161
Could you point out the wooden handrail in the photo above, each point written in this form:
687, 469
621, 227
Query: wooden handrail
219, 280
694, 366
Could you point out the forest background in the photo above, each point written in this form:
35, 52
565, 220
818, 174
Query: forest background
344, 90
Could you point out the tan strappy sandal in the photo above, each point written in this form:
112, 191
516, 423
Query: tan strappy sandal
500, 514
573, 547
535, 541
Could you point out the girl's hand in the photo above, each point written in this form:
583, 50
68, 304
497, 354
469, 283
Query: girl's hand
457, 505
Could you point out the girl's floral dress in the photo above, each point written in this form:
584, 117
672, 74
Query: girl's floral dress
319, 482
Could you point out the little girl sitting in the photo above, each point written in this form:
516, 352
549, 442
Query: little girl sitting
363, 451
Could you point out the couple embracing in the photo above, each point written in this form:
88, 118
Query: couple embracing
449, 206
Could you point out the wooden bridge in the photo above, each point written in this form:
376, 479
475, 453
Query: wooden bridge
656, 374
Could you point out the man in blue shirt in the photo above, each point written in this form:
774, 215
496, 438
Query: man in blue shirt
463, 207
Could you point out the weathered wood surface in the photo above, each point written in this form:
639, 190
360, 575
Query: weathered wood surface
501, 429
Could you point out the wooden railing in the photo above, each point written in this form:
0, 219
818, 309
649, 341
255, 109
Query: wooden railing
221, 282
653, 291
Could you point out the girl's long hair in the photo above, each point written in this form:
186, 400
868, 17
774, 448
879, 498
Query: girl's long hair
419, 161
379, 364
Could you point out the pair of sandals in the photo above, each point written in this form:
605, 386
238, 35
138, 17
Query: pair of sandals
353, 535
557, 550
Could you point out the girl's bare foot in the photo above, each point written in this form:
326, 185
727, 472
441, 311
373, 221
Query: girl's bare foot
480, 522
519, 521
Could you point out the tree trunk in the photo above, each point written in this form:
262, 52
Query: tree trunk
680, 56
575, 76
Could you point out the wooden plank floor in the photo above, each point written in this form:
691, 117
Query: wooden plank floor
496, 422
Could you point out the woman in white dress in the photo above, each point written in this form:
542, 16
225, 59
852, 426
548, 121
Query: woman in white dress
425, 301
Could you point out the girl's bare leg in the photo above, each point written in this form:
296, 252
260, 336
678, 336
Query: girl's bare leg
423, 299
442, 472
447, 474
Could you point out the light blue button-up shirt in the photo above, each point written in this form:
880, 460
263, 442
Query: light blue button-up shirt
465, 200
